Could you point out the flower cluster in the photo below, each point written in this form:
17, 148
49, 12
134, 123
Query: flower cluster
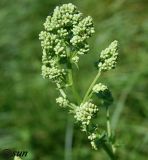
63, 102
52, 71
99, 88
92, 137
84, 114
63, 40
108, 57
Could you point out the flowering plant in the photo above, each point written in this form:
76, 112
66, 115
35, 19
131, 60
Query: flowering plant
64, 41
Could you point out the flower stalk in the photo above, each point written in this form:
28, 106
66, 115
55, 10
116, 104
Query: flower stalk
91, 86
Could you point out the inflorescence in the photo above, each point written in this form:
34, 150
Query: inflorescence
108, 57
84, 113
63, 40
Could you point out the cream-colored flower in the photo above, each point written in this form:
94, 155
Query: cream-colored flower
108, 57
84, 113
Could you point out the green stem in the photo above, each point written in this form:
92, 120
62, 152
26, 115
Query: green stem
70, 77
68, 139
91, 86
69, 130
75, 93
108, 123
109, 151
61, 91
109, 132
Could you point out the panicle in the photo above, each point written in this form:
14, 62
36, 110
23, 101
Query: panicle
84, 114
99, 88
108, 57
63, 102
64, 39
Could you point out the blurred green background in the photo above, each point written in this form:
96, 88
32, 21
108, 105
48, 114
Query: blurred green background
29, 117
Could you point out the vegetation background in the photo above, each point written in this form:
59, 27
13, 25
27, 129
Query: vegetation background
29, 117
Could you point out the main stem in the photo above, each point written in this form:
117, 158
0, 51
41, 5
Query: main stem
70, 76
68, 139
71, 83
111, 151
69, 130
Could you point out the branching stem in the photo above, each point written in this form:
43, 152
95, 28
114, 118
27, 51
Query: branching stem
91, 86
61, 90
